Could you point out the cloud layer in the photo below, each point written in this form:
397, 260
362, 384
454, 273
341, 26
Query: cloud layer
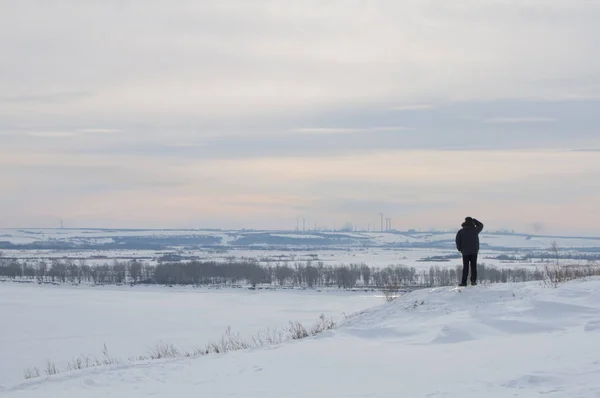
250, 114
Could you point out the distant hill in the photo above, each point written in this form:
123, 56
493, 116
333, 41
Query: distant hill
157, 239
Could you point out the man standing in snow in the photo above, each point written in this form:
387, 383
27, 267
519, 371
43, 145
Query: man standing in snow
467, 242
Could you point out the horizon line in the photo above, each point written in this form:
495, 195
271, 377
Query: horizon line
409, 230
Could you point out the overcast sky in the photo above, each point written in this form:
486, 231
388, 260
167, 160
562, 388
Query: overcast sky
251, 114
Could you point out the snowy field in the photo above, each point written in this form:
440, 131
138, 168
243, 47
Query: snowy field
502, 340
373, 257
232, 237
41, 322
376, 249
492, 341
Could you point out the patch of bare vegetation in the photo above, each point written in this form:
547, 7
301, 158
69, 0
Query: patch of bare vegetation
229, 342
556, 273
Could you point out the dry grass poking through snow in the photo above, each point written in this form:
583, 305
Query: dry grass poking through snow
555, 274
390, 292
229, 342
81, 362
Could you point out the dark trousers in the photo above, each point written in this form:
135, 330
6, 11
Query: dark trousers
469, 261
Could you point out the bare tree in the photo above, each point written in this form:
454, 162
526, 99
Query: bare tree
119, 272
42, 267
74, 271
58, 271
135, 271
366, 274
554, 249
390, 292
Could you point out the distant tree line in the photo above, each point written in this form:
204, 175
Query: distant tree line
299, 274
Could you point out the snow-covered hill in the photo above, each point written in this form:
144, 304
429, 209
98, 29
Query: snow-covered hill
487, 341
64, 239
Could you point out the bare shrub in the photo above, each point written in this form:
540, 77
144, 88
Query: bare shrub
229, 342
322, 325
213, 348
51, 368
587, 271
555, 274
162, 350
31, 373
78, 363
390, 292
268, 337
297, 331
196, 352
107, 359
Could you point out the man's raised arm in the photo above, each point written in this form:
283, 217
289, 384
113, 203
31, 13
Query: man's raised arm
478, 225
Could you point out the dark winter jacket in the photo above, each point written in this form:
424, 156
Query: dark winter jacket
467, 238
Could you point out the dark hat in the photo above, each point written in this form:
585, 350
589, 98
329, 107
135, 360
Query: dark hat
468, 222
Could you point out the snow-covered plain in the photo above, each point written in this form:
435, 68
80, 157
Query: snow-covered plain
500, 340
373, 257
40, 322
376, 249
233, 237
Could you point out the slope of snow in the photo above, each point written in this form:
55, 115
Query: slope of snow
40, 322
504, 340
